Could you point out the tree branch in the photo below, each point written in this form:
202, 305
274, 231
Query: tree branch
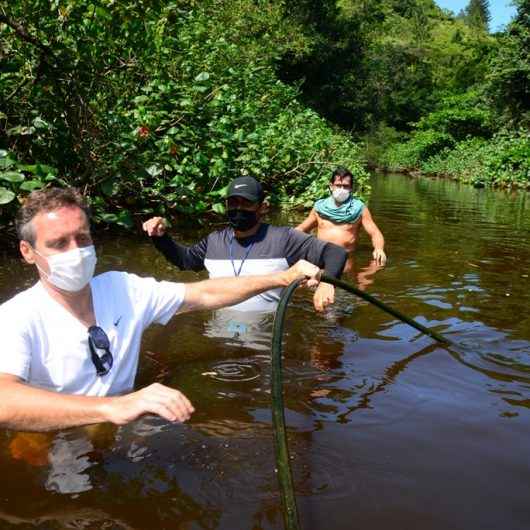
24, 35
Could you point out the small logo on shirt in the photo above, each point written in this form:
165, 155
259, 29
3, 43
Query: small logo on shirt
240, 186
117, 321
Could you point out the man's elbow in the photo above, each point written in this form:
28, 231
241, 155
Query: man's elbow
343, 257
335, 258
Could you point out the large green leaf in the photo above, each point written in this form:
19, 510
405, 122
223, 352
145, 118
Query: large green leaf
203, 76
154, 170
6, 163
12, 176
109, 187
39, 123
124, 218
219, 208
6, 196
31, 185
43, 169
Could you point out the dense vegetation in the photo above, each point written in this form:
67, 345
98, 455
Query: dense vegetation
427, 90
153, 106
481, 133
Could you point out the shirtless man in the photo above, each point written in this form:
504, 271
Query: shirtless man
339, 218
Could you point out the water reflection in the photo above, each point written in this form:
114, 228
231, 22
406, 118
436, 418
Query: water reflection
247, 329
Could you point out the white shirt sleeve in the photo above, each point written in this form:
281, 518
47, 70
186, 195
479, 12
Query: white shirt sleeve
159, 300
15, 355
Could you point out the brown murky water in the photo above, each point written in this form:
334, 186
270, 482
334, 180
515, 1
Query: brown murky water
387, 430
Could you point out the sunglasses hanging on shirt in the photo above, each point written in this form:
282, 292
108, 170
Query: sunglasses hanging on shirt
99, 345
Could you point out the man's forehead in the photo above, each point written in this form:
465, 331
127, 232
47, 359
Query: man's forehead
51, 216
61, 220
342, 180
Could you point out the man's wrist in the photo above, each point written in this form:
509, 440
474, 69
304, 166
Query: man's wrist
105, 410
284, 278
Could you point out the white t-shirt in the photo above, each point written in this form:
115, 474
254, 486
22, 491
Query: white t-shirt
45, 345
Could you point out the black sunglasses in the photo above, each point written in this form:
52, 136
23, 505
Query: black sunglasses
98, 340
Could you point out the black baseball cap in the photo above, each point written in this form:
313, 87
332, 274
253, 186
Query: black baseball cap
246, 187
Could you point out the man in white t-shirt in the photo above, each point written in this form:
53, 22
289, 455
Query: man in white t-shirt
70, 343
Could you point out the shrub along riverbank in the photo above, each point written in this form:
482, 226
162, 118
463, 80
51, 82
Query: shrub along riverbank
460, 141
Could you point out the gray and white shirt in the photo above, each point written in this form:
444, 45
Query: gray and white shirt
271, 249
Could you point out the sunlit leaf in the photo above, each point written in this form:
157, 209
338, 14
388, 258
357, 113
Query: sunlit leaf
39, 123
6, 163
219, 208
31, 185
154, 170
20, 131
12, 176
203, 76
43, 169
6, 196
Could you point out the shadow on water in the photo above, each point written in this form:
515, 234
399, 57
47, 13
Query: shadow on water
386, 428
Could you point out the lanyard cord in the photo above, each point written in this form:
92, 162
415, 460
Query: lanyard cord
237, 273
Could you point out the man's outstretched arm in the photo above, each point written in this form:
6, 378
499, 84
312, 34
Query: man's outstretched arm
221, 292
26, 408
184, 257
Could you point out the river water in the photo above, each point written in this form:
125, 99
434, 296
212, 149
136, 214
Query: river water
387, 429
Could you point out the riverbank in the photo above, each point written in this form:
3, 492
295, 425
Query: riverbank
502, 161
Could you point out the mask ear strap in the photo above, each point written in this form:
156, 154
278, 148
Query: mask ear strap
46, 275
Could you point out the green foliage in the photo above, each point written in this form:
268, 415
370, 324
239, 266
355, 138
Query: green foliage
17, 179
508, 81
421, 146
155, 106
460, 116
387, 61
502, 161
479, 135
378, 141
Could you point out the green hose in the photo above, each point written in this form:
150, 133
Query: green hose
283, 467
394, 312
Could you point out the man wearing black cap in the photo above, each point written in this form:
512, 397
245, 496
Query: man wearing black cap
248, 247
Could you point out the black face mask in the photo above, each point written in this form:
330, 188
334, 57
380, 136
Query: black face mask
242, 220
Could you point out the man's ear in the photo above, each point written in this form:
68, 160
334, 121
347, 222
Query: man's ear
27, 252
264, 207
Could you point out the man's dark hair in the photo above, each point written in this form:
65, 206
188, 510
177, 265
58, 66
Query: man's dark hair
45, 200
341, 172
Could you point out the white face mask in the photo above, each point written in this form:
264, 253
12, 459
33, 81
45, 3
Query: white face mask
340, 194
72, 270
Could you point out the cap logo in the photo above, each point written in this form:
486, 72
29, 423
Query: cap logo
240, 186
